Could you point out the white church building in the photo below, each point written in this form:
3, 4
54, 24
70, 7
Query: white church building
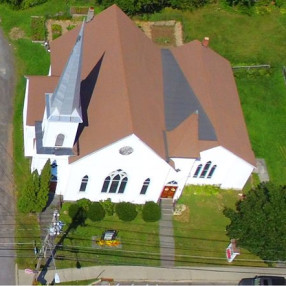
121, 118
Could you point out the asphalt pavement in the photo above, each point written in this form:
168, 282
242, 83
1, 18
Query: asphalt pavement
7, 199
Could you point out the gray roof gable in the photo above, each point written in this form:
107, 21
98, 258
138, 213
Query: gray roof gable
64, 103
180, 100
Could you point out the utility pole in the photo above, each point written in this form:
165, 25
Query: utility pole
48, 243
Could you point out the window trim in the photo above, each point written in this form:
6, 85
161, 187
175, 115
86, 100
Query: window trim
115, 182
205, 169
198, 171
83, 184
211, 172
145, 186
60, 140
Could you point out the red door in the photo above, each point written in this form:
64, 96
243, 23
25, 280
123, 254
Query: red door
169, 192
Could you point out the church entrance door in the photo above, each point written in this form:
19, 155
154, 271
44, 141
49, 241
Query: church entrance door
168, 192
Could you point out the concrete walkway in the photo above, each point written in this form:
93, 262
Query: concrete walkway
261, 170
46, 216
137, 274
166, 234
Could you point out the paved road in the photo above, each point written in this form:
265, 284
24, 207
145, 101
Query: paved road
7, 200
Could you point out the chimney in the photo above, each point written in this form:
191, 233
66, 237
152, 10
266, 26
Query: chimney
205, 41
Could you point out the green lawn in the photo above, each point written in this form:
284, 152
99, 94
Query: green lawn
139, 243
249, 40
242, 39
263, 100
200, 234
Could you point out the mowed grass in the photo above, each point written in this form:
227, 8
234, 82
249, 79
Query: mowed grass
238, 37
242, 39
139, 243
30, 59
200, 236
249, 40
263, 100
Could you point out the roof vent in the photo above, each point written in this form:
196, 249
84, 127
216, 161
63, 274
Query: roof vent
205, 41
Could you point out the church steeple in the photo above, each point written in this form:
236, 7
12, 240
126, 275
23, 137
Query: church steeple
64, 103
63, 107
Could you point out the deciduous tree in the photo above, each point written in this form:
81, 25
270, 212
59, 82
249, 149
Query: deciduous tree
258, 223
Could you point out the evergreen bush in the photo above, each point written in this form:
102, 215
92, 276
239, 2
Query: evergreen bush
151, 212
96, 212
126, 211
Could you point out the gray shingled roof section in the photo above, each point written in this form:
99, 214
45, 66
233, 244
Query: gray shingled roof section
180, 100
65, 101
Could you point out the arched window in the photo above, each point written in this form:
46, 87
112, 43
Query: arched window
205, 170
211, 172
106, 184
197, 171
122, 185
83, 184
60, 140
145, 187
54, 172
172, 183
115, 182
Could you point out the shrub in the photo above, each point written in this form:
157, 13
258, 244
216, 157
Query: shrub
30, 3
84, 203
73, 210
151, 212
126, 211
108, 206
96, 212
56, 31
70, 27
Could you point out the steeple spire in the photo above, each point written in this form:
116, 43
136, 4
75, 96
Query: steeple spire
64, 104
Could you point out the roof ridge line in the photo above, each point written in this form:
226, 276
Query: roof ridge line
123, 65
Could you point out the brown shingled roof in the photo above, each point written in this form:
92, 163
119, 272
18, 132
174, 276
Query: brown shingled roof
127, 97
122, 90
183, 140
211, 78
38, 86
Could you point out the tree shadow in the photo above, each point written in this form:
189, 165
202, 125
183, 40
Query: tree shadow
77, 220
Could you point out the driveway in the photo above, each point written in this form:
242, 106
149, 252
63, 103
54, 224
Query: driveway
7, 199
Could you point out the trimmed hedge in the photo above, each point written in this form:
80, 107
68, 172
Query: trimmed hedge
96, 212
73, 210
151, 212
126, 211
